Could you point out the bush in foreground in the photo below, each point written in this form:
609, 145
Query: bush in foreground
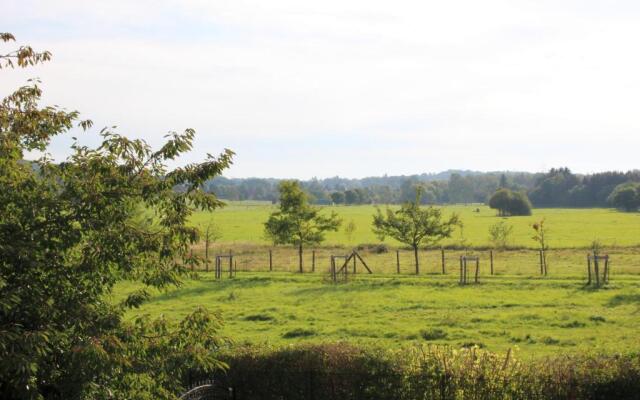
343, 371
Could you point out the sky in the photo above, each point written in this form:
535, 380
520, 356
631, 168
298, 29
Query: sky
350, 88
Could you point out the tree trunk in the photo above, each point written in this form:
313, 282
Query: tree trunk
415, 254
300, 256
206, 254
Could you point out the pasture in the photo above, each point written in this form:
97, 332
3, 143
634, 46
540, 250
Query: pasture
515, 308
242, 223
539, 316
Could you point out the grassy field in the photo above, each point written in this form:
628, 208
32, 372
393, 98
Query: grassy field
243, 223
540, 316
514, 308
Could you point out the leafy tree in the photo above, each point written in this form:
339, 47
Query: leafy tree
414, 225
500, 201
552, 189
460, 189
503, 182
351, 197
508, 202
69, 232
500, 234
337, 197
296, 222
520, 204
408, 190
626, 196
363, 196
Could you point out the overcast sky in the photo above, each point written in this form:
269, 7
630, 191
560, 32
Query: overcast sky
351, 88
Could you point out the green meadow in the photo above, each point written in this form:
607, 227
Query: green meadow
243, 223
536, 316
515, 308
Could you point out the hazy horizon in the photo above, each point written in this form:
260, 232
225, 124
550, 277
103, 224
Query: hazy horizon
435, 173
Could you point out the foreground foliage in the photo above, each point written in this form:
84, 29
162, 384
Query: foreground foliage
342, 371
69, 232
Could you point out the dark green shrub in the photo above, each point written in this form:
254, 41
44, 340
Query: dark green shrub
343, 371
375, 248
298, 332
259, 317
433, 334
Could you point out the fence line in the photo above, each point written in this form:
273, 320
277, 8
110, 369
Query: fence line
432, 261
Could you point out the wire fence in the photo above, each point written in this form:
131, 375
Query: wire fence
381, 260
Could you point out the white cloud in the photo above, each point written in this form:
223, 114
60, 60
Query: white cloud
305, 88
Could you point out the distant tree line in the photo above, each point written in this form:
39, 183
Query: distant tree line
558, 187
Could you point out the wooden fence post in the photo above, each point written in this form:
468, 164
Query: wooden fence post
596, 270
270, 261
206, 255
333, 270
588, 269
491, 259
313, 261
444, 271
398, 261
354, 263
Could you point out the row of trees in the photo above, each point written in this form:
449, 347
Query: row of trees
299, 223
557, 188
447, 187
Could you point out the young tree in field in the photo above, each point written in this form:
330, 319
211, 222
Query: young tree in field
596, 246
414, 225
296, 222
210, 233
540, 236
69, 232
500, 234
349, 230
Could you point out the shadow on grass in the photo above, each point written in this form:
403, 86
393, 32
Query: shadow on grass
370, 285
210, 286
623, 299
